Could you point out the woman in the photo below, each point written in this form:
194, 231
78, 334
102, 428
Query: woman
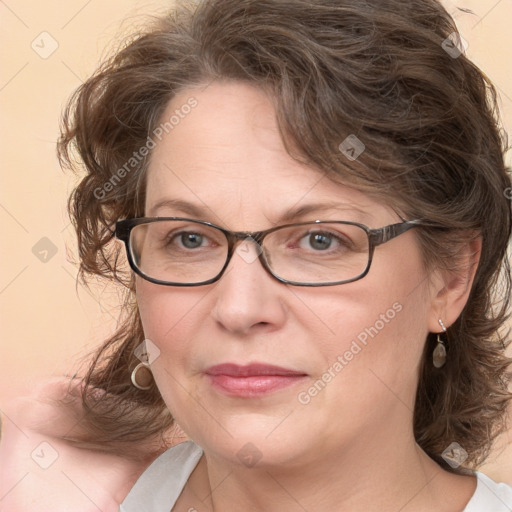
314, 205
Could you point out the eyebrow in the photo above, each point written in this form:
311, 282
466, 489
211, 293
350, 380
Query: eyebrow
178, 204
293, 214
329, 206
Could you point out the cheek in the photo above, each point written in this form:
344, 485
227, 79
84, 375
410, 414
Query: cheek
380, 320
170, 319
168, 314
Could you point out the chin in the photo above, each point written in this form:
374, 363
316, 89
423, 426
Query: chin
253, 439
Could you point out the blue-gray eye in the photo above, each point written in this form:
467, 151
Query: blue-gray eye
320, 241
191, 240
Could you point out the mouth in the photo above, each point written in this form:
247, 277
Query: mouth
253, 380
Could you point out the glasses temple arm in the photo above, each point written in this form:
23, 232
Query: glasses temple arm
387, 233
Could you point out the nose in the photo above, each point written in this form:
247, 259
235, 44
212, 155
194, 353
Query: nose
247, 297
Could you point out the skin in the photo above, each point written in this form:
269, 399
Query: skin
77, 479
226, 158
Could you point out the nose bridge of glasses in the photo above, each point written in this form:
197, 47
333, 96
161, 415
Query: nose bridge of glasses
237, 238
246, 245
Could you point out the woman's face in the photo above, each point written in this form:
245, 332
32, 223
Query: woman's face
354, 348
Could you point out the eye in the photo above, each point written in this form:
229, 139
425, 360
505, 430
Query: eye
190, 240
175, 238
321, 241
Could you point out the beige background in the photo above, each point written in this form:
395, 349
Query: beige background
47, 321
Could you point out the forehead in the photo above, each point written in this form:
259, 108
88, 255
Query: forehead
225, 154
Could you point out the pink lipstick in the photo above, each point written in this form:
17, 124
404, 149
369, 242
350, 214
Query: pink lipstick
253, 380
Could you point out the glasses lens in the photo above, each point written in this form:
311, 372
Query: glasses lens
181, 252
318, 253
187, 252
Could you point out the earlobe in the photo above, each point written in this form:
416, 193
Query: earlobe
456, 285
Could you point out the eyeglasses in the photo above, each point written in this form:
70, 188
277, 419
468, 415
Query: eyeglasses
176, 251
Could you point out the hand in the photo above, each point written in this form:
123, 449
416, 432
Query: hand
41, 472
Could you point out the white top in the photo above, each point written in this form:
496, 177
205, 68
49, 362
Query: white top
158, 488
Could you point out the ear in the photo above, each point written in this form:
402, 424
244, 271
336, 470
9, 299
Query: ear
451, 288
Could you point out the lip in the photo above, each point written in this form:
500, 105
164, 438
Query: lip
250, 370
253, 380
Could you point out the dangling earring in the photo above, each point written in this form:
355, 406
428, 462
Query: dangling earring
439, 355
143, 371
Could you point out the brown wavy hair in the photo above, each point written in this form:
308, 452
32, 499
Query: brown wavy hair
378, 69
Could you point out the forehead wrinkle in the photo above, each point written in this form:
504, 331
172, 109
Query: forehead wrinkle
311, 211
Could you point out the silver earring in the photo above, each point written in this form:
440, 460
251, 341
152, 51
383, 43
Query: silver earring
145, 377
439, 355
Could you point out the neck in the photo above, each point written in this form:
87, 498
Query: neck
402, 478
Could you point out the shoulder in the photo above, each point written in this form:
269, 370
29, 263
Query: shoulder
159, 486
490, 496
